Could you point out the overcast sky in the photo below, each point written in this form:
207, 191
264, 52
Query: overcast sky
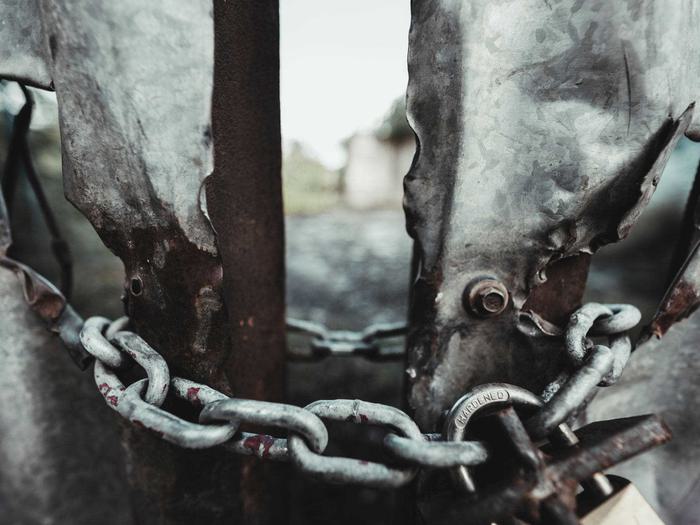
342, 65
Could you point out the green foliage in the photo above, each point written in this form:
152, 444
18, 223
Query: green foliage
308, 186
395, 127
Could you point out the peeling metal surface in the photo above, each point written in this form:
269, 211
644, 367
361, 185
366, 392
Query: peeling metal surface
134, 85
542, 129
662, 378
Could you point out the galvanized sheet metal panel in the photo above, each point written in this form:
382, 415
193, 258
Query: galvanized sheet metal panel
23, 46
543, 128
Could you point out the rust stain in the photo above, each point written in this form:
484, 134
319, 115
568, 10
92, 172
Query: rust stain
561, 293
41, 296
682, 301
259, 444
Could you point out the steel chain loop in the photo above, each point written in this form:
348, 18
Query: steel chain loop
129, 403
289, 417
221, 416
351, 470
440, 454
116, 326
93, 339
168, 426
113, 352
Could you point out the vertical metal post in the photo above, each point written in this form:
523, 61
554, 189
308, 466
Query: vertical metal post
244, 199
245, 345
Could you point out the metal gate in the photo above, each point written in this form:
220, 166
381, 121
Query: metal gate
542, 129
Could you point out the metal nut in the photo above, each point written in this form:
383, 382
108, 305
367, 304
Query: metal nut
485, 297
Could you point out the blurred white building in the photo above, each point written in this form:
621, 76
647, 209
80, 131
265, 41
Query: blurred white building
378, 161
375, 170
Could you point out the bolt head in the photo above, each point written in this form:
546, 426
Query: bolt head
486, 297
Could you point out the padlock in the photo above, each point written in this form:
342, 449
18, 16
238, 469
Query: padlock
625, 506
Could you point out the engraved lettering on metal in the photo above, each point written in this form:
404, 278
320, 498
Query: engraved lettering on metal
479, 401
481, 397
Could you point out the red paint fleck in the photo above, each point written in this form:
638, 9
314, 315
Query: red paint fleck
364, 462
193, 395
363, 418
105, 390
259, 444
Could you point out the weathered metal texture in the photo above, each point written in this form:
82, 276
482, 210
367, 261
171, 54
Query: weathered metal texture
59, 449
5, 231
351, 470
244, 199
134, 83
542, 130
23, 51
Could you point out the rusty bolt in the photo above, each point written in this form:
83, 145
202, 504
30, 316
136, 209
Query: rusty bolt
485, 297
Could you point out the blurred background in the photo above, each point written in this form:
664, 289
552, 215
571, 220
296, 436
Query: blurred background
347, 146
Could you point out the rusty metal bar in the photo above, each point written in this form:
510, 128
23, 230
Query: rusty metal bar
244, 200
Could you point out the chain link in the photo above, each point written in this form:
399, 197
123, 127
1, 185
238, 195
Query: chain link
351, 470
278, 415
307, 437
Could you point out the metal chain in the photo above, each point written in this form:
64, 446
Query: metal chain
345, 343
221, 416
307, 437
593, 364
